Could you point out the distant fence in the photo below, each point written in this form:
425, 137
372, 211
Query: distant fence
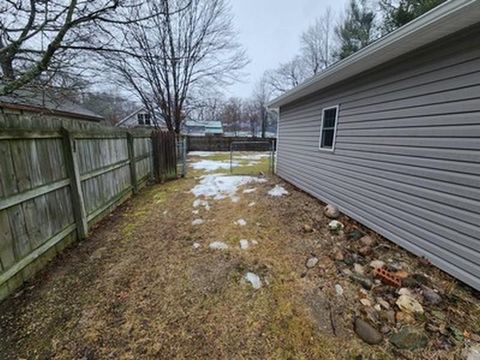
54, 185
219, 143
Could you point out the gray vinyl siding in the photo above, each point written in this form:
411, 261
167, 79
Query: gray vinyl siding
407, 152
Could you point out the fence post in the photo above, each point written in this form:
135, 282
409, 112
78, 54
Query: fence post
133, 163
78, 204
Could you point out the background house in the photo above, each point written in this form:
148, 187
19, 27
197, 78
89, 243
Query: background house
45, 109
391, 135
142, 118
204, 128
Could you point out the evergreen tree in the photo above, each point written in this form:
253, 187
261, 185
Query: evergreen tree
400, 12
356, 31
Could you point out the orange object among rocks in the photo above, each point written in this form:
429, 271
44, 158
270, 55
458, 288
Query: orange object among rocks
388, 277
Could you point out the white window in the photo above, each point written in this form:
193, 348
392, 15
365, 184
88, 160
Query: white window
144, 119
328, 128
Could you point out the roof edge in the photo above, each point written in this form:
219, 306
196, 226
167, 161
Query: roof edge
405, 39
43, 110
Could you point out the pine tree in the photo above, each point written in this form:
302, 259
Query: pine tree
400, 12
356, 31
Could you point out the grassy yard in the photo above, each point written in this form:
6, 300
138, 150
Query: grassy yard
146, 283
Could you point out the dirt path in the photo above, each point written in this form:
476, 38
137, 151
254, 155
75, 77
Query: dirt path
147, 285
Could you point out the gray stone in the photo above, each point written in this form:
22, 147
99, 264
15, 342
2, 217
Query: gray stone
366, 282
472, 353
367, 332
312, 262
431, 296
354, 235
367, 240
331, 211
409, 338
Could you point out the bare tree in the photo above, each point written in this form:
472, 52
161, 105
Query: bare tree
316, 44
41, 35
261, 96
190, 46
252, 116
287, 76
232, 115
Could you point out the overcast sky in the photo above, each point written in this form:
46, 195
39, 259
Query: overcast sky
270, 31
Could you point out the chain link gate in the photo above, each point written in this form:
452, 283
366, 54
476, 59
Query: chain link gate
256, 147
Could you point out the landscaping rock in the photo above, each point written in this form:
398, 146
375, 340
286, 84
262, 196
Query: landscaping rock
335, 226
404, 291
331, 212
338, 254
367, 241
363, 280
383, 303
312, 262
377, 264
409, 338
358, 269
366, 302
388, 316
197, 222
307, 228
365, 250
354, 235
367, 332
196, 245
431, 296
404, 317
472, 353
409, 304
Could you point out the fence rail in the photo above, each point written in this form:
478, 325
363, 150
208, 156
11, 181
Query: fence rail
55, 184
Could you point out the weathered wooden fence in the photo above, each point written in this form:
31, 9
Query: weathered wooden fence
165, 155
54, 185
220, 143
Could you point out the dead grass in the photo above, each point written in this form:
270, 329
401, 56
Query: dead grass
137, 288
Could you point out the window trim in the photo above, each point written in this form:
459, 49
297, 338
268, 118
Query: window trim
337, 109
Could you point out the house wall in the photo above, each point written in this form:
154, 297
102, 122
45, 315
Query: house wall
407, 153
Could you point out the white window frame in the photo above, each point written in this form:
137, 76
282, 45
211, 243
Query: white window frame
332, 149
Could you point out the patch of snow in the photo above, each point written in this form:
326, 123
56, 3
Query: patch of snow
249, 191
240, 222
196, 245
207, 153
278, 191
220, 186
195, 212
244, 244
218, 245
254, 156
213, 165
200, 202
235, 199
251, 204
197, 222
254, 280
